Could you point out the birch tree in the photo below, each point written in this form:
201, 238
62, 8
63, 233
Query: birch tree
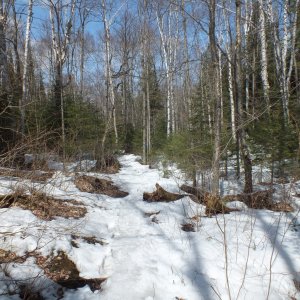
25, 66
263, 54
228, 49
168, 28
284, 38
61, 30
110, 93
245, 152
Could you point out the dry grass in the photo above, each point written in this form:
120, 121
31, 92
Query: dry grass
43, 206
92, 184
10, 257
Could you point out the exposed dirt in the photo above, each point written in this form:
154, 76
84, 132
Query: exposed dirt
43, 206
188, 227
92, 184
63, 271
161, 195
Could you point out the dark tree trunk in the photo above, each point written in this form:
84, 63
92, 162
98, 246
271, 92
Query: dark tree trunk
248, 188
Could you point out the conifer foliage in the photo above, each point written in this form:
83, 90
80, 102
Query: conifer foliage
200, 82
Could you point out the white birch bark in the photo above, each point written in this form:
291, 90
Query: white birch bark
160, 24
108, 60
282, 42
230, 74
60, 46
263, 55
247, 28
25, 67
220, 85
3, 54
169, 40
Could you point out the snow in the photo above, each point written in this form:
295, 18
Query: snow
251, 254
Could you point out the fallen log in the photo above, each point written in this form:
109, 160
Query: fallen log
161, 195
260, 200
214, 205
197, 195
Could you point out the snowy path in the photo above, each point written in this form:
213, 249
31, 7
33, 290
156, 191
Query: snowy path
145, 260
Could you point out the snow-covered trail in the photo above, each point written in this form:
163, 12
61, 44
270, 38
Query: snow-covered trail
234, 256
149, 260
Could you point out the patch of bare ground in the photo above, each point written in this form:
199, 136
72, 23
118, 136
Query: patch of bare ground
37, 176
92, 184
44, 207
10, 257
260, 200
64, 272
188, 227
161, 195
108, 165
28, 293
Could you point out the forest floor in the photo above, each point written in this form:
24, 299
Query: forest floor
61, 242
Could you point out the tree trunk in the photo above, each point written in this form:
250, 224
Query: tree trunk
216, 98
25, 68
108, 61
230, 75
248, 188
263, 55
3, 54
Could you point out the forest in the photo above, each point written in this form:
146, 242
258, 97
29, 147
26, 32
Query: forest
200, 81
199, 99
